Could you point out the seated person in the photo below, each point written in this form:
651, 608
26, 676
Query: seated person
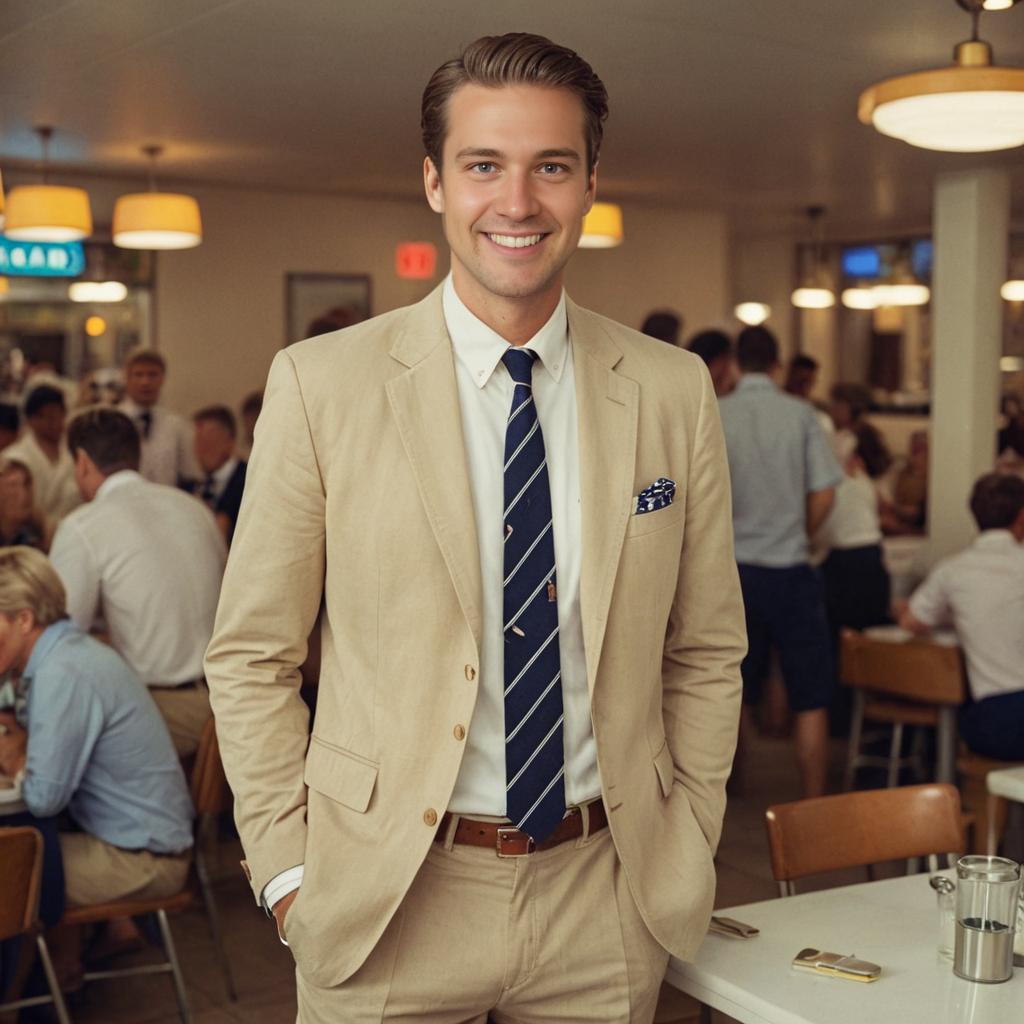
907, 512
980, 592
21, 522
95, 746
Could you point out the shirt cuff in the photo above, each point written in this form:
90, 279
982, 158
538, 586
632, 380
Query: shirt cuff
280, 885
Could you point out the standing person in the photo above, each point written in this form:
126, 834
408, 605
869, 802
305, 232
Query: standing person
151, 557
715, 348
664, 324
166, 439
42, 449
251, 406
223, 472
529, 690
784, 477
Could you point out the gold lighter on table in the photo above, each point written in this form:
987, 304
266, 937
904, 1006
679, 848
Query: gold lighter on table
836, 965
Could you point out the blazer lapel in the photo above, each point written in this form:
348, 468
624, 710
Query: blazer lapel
425, 403
607, 408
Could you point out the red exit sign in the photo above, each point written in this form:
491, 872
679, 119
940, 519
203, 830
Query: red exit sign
415, 261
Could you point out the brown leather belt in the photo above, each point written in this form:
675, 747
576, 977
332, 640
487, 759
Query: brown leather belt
508, 841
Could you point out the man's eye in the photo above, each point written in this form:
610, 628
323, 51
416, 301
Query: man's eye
552, 168
484, 167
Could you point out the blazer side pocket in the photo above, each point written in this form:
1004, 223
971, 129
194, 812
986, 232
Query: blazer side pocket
339, 774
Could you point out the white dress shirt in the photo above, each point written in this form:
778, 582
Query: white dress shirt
980, 592
53, 483
150, 559
167, 453
485, 399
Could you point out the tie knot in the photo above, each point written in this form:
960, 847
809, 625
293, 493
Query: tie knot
519, 362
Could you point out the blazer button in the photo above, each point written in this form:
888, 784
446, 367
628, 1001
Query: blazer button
470, 673
430, 817
460, 732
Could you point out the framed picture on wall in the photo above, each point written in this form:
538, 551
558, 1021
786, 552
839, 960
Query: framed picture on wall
319, 303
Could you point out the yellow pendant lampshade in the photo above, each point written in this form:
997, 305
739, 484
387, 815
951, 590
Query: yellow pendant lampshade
602, 227
974, 106
157, 220
1, 202
47, 213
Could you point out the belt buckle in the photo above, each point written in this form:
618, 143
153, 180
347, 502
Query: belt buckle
505, 832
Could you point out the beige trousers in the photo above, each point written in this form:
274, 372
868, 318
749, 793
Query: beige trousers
96, 872
551, 936
186, 711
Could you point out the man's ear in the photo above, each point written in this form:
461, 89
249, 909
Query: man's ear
24, 621
432, 185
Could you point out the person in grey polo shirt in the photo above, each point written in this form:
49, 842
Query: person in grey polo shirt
784, 477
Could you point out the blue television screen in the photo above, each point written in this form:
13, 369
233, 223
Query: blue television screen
862, 261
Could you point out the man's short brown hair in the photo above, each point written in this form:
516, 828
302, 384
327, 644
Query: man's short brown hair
107, 436
516, 58
217, 414
148, 356
997, 501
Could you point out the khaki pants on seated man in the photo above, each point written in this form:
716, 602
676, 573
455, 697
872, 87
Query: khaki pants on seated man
185, 709
96, 872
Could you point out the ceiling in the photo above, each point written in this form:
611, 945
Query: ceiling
725, 104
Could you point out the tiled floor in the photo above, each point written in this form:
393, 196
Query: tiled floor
263, 969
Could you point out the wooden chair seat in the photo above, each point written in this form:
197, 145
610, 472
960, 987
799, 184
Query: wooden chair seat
128, 908
990, 815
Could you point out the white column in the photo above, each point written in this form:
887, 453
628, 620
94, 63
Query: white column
971, 225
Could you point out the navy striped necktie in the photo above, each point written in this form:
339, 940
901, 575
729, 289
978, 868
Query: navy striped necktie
534, 757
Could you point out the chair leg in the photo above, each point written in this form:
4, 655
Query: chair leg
856, 728
705, 1013
51, 980
172, 957
893, 775
213, 920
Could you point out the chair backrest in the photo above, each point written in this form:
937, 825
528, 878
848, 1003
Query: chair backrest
828, 833
210, 793
916, 670
21, 867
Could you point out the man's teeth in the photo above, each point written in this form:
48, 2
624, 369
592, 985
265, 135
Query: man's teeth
515, 241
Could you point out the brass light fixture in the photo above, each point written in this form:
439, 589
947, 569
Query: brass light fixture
47, 213
815, 289
974, 106
156, 220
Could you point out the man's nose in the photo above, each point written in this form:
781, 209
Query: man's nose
518, 199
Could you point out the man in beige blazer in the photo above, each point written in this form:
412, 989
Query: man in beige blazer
401, 848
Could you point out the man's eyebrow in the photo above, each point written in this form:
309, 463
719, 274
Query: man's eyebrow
482, 153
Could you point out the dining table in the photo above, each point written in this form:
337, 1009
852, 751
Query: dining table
893, 923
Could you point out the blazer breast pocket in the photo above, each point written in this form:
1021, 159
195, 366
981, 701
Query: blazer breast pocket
651, 522
343, 776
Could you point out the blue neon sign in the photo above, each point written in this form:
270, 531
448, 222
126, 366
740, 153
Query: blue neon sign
41, 259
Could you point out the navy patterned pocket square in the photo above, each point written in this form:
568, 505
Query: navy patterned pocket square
659, 495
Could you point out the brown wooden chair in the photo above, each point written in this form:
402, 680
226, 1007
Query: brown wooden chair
989, 811
21, 868
917, 683
210, 796
828, 833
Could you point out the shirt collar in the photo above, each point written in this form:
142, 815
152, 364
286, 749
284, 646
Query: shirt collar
996, 539
223, 475
752, 381
46, 642
480, 349
115, 480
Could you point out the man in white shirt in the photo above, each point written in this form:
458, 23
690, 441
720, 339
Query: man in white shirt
150, 558
980, 592
42, 449
166, 439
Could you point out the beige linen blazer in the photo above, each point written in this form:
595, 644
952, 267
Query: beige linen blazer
357, 512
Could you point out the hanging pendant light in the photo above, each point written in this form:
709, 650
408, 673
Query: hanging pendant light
815, 288
753, 314
1, 202
974, 106
602, 227
47, 213
156, 220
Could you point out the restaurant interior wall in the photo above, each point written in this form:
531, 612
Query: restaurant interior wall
220, 308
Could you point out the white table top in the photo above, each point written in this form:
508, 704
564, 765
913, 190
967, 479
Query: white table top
1007, 782
894, 923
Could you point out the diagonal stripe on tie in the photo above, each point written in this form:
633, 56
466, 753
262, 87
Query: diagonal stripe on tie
534, 754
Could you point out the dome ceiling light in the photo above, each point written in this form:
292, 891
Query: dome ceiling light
156, 220
974, 106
